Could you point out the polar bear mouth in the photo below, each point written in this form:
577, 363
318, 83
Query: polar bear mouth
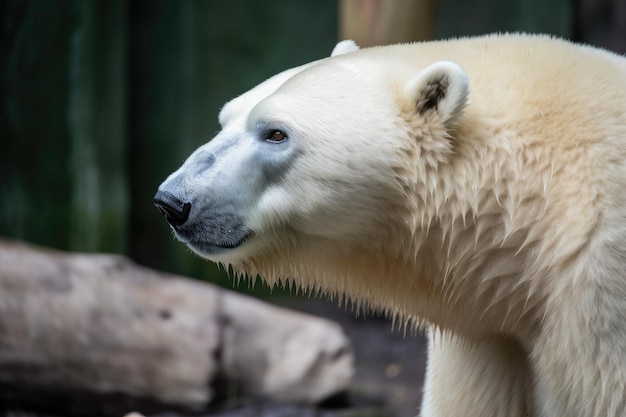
207, 238
208, 247
207, 228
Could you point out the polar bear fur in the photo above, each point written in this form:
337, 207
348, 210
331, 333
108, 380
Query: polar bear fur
476, 187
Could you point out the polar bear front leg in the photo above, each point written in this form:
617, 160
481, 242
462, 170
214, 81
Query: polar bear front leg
468, 379
580, 357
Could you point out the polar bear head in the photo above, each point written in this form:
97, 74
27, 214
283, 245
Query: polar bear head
318, 162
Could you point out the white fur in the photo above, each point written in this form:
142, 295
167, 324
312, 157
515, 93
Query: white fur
344, 47
475, 187
444, 75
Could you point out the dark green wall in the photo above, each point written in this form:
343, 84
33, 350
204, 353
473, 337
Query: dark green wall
473, 17
101, 99
62, 167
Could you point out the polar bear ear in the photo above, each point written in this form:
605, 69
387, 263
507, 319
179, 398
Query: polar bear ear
442, 87
344, 47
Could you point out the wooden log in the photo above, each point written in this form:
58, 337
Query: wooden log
98, 335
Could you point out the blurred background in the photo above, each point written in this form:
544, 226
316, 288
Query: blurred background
101, 99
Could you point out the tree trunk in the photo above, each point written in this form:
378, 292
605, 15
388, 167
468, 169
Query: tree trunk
98, 335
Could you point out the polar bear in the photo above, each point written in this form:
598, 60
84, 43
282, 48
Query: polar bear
475, 187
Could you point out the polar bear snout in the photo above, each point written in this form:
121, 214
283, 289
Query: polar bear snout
176, 212
207, 226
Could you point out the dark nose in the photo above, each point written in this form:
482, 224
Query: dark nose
176, 212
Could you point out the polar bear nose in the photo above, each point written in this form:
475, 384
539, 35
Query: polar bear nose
176, 212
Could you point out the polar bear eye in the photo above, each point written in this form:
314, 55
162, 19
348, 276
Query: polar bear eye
275, 136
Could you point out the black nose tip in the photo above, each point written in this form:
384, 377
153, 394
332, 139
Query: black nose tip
176, 212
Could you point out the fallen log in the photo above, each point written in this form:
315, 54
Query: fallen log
94, 334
